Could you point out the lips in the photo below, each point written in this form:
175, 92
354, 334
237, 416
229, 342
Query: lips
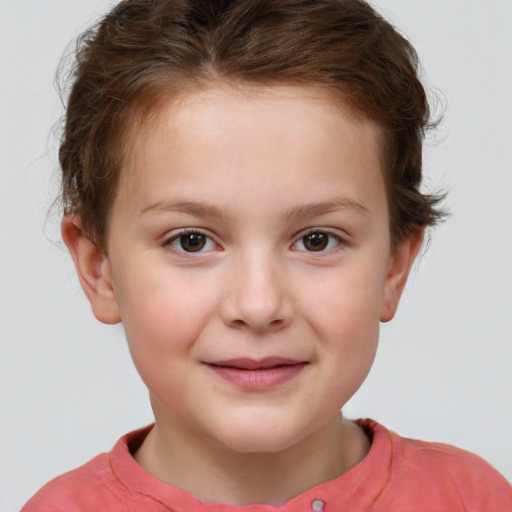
245, 363
257, 374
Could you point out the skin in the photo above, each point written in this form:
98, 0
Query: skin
254, 170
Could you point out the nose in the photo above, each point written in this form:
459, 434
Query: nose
256, 298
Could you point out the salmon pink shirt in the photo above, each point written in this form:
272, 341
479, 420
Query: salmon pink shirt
398, 475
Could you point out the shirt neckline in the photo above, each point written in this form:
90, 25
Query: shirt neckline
367, 477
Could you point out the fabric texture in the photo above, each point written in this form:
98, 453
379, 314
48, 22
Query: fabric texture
398, 475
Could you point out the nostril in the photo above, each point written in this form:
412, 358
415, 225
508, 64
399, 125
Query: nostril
255, 321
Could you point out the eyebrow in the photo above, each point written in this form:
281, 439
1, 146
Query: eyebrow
301, 211
309, 210
197, 209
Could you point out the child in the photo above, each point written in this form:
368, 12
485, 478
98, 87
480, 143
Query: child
241, 190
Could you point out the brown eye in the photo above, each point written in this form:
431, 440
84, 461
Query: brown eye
318, 241
315, 241
192, 242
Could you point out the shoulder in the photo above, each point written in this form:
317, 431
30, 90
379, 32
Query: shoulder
93, 486
439, 460
446, 471
84, 488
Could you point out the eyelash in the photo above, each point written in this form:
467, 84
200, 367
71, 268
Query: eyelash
340, 241
208, 241
169, 242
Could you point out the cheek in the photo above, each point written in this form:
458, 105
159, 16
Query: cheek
345, 311
163, 314
347, 325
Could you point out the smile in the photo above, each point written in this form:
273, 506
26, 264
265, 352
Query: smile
257, 375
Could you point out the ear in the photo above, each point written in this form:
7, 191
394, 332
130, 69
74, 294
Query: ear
400, 265
93, 269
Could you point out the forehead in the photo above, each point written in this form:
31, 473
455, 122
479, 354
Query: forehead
201, 106
252, 133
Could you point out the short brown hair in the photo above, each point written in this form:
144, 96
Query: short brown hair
145, 50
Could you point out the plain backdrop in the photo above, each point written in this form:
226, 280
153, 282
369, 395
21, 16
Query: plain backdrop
443, 371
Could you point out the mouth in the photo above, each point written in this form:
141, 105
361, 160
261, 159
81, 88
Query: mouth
245, 363
257, 374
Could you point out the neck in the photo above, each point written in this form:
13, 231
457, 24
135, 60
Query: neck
215, 474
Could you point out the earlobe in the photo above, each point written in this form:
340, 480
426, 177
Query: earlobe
399, 267
93, 269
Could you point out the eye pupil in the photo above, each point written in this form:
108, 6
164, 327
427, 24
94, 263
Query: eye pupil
316, 241
192, 242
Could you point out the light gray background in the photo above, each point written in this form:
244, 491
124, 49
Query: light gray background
68, 389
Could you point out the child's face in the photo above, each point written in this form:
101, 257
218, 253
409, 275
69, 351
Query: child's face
251, 230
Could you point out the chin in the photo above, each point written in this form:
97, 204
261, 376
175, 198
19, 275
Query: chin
268, 443
261, 435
